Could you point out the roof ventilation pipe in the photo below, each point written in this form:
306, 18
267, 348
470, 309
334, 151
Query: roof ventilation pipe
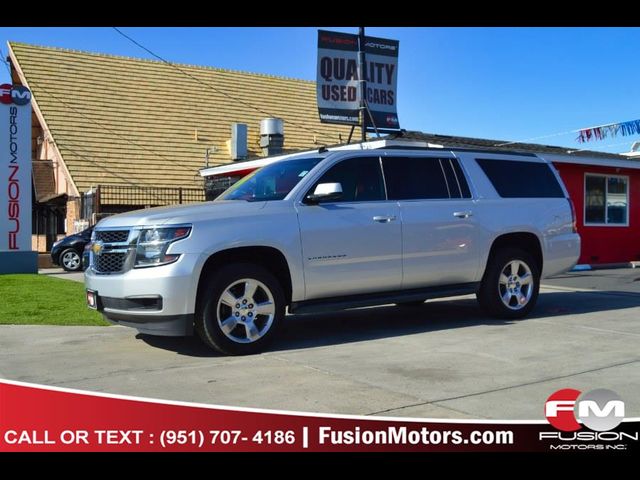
271, 136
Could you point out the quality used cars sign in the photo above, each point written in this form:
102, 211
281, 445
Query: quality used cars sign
338, 79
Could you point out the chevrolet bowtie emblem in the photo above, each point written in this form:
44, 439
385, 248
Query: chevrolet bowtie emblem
97, 248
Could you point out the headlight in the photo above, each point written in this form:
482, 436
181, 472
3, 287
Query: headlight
55, 244
153, 243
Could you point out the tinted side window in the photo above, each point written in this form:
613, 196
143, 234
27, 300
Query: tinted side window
361, 179
521, 179
414, 178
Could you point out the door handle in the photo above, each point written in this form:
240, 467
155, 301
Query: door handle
462, 214
384, 219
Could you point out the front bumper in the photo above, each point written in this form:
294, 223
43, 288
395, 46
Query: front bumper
156, 300
55, 255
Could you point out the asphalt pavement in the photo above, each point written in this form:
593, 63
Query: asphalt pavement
609, 280
445, 359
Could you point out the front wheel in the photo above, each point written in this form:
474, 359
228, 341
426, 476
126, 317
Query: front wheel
70, 260
240, 308
510, 285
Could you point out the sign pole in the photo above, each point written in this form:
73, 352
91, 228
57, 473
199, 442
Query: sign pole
363, 83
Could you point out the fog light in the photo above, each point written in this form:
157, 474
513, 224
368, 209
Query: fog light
91, 299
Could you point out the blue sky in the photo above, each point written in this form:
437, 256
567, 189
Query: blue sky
502, 83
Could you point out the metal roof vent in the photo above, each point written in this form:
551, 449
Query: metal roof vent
238, 143
271, 136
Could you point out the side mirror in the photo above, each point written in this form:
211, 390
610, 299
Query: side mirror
325, 192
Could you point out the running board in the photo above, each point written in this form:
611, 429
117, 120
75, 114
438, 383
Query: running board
382, 298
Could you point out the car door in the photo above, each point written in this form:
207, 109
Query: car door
351, 245
439, 231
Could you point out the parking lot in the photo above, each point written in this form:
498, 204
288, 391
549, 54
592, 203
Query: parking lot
442, 360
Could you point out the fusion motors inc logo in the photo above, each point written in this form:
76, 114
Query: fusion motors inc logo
600, 411
16, 94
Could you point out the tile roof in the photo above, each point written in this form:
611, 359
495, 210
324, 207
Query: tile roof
117, 120
43, 179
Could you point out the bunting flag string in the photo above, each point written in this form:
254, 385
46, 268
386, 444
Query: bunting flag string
609, 131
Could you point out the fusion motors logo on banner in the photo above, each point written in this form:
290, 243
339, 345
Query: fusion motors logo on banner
16, 94
15, 169
600, 411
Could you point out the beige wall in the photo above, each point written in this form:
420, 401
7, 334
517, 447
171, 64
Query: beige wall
73, 214
39, 243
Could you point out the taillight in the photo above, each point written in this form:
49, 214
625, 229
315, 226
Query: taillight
573, 216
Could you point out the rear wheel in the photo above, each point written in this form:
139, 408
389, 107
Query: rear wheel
240, 308
510, 285
70, 260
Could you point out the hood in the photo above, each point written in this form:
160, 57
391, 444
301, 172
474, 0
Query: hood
189, 213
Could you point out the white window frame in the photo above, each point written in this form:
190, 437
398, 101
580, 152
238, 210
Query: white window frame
606, 194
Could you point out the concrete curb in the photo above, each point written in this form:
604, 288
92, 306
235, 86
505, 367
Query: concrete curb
605, 266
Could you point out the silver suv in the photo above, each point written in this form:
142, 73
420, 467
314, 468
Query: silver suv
332, 230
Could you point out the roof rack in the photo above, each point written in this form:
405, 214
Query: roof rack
377, 144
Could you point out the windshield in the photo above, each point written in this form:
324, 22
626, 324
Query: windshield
273, 182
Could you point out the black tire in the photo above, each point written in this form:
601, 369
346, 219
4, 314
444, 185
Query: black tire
413, 303
491, 293
70, 266
211, 306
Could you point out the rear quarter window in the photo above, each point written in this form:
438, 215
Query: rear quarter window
521, 179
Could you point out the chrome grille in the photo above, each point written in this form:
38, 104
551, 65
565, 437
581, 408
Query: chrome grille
109, 262
112, 236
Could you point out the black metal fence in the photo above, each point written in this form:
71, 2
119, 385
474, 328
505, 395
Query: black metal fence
148, 196
105, 200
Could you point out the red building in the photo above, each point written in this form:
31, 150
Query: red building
605, 193
604, 188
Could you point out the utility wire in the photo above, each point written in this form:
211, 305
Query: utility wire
211, 87
6, 64
536, 138
95, 122
597, 148
84, 157
106, 169
560, 134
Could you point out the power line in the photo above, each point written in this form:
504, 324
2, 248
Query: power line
6, 64
560, 134
210, 87
537, 138
598, 148
108, 170
86, 117
66, 144
95, 122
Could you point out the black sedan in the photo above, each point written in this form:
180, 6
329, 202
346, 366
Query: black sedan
68, 252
